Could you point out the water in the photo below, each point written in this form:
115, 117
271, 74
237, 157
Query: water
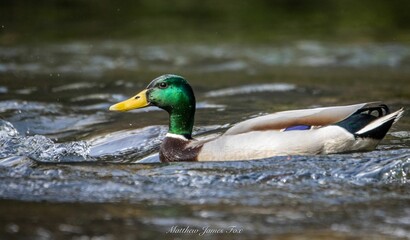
71, 169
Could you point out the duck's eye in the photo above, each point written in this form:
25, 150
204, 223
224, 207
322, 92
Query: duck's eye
163, 85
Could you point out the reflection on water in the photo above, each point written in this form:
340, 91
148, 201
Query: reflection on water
60, 145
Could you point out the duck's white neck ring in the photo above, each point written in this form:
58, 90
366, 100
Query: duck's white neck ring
172, 135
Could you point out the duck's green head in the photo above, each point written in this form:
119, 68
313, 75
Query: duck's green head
171, 93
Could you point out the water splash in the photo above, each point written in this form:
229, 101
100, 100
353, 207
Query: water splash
393, 169
122, 146
7, 130
39, 147
51, 119
127, 145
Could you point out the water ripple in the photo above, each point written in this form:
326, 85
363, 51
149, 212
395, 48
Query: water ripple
251, 88
98, 58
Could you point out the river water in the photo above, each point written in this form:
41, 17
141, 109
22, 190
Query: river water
70, 169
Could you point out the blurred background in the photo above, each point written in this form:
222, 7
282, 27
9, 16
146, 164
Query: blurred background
260, 21
64, 62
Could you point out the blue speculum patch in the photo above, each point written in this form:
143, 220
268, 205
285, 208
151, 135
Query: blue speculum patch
297, 127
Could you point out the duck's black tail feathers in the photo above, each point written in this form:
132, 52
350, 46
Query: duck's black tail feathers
371, 122
378, 128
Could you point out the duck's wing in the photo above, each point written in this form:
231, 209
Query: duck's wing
311, 117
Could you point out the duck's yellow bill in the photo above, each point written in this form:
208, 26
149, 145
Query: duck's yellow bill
138, 101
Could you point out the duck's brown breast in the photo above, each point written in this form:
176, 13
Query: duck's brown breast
178, 150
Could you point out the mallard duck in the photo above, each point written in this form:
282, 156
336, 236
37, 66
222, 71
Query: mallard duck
326, 130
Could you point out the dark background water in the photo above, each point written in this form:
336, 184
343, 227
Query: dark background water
216, 21
69, 169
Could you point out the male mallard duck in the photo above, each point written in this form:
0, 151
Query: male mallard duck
326, 130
